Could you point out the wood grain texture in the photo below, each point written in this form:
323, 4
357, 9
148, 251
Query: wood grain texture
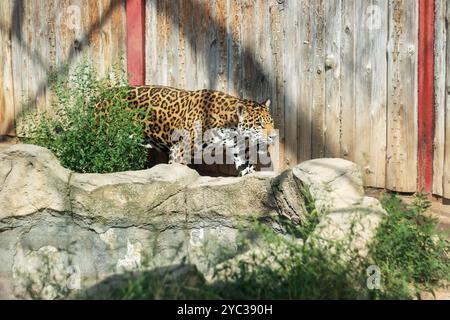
292, 87
304, 117
277, 96
333, 118
370, 83
41, 36
318, 80
440, 71
446, 175
402, 96
234, 50
347, 57
425, 104
7, 111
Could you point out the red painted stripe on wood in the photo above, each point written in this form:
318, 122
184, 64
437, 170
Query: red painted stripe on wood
425, 95
136, 41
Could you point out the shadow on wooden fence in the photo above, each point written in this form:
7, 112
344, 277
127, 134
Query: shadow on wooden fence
15, 29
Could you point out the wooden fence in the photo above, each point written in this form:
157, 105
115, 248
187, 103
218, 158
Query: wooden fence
342, 74
39, 36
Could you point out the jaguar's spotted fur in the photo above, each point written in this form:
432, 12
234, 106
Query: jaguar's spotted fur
167, 110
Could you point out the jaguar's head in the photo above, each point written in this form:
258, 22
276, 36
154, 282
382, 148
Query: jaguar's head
256, 122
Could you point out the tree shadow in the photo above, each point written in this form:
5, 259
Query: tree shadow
198, 32
256, 80
161, 282
206, 35
76, 48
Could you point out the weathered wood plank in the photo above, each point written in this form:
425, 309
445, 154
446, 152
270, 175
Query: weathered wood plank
38, 72
370, 100
249, 41
439, 95
19, 54
264, 52
377, 120
220, 15
203, 42
172, 39
347, 78
47, 35
116, 32
402, 98
119, 30
7, 112
28, 76
292, 86
277, 11
183, 45
333, 119
68, 26
51, 26
211, 42
304, 116
103, 36
235, 48
151, 43
163, 22
110, 53
446, 178
318, 83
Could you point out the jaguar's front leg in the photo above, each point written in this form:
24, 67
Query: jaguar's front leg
177, 155
243, 166
247, 170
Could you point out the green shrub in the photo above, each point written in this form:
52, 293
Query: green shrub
289, 269
81, 139
409, 250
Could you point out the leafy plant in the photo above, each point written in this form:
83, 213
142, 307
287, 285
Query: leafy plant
289, 268
84, 139
308, 226
409, 250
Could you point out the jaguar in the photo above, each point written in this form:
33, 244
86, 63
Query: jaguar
173, 119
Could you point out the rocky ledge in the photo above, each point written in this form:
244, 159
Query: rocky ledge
61, 229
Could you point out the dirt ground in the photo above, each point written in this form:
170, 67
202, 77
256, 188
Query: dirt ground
438, 209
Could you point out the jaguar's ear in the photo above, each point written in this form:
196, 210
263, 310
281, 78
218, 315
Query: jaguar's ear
267, 103
241, 111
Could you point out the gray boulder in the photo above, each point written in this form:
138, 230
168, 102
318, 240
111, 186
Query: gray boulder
347, 216
31, 180
61, 230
